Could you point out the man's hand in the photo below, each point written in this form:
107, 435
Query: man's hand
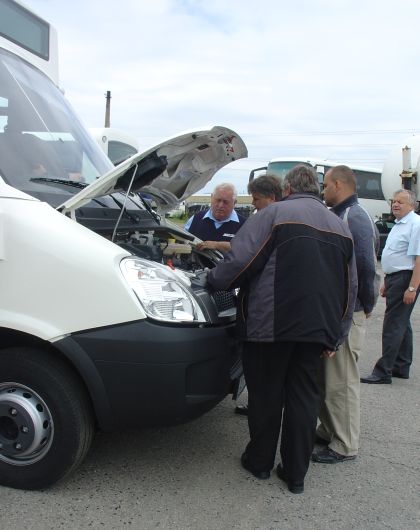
222, 246
207, 244
382, 290
409, 297
200, 279
327, 354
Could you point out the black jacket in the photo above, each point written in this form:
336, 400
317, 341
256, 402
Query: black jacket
294, 260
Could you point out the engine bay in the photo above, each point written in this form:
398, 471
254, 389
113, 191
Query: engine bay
169, 247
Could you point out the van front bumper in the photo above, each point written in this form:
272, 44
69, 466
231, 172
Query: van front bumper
149, 374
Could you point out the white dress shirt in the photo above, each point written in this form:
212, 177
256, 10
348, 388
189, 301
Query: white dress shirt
402, 245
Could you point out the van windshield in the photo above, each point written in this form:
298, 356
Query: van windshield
41, 138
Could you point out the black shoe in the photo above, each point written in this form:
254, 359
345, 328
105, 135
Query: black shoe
242, 410
263, 475
294, 487
321, 441
400, 376
328, 456
376, 380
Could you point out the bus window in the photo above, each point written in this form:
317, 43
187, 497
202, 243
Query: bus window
369, 185
22, 27
280, 168
119, 151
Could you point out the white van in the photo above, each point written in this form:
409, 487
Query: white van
105, 322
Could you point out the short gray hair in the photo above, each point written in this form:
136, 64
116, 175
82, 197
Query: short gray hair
227, 186
411, 196
302, 179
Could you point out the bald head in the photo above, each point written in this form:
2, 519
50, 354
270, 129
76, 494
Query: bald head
339, 184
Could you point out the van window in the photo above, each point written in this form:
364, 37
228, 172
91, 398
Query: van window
40, 136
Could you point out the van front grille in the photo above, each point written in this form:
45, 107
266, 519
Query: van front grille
224, 300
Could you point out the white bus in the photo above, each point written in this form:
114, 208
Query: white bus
116, 144
369, 188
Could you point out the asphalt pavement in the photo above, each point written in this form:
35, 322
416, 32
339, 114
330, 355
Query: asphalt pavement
189, 476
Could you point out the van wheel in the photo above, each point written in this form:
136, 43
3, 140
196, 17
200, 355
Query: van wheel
46, 420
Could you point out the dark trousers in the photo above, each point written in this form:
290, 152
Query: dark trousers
282, 374
397, 335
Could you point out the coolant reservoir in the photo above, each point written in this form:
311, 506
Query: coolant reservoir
175, 248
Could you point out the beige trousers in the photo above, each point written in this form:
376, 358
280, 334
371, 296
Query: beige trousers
340, 410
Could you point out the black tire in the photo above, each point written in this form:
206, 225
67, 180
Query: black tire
46, 419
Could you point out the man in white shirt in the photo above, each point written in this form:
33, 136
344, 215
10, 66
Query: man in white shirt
401, 265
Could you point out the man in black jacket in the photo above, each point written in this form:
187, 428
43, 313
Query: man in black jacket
295, 261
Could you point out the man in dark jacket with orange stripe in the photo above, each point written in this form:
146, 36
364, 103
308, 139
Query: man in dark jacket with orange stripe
295, 265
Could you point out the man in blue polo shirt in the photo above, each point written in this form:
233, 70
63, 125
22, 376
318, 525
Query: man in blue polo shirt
401, 265
218, 225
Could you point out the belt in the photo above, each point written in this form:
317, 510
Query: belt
405, 271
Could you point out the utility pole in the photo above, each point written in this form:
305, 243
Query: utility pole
108, 109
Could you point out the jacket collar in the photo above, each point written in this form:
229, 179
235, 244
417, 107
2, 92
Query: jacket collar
341, 206
302, 196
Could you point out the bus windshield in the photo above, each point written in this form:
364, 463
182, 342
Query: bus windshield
40, 136
279, 169
368, 181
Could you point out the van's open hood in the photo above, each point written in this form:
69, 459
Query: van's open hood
169, 172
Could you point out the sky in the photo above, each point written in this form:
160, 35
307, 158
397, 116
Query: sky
327, 79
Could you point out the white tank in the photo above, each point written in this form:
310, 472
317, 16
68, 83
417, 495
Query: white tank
393, 166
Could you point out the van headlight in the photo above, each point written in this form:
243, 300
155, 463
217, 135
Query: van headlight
163, 293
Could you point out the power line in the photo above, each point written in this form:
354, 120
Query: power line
333, 133
323, 145
311, 133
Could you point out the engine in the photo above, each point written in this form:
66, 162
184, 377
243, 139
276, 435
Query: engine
168, 248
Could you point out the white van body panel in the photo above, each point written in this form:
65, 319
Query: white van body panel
7, 191
94, 292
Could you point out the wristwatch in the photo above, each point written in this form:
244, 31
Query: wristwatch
411, 289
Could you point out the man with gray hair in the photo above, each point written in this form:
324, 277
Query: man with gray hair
401, 265
295, 266
219, 224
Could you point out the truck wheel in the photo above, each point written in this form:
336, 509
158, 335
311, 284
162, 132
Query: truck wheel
46, 420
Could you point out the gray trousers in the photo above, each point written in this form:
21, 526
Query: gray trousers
397, 335
340, 409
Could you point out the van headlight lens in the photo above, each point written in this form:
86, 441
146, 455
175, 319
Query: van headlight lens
163, 293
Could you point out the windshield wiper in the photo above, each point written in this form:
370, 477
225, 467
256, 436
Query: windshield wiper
133, 218
73, 183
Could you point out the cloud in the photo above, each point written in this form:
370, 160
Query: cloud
280, 73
